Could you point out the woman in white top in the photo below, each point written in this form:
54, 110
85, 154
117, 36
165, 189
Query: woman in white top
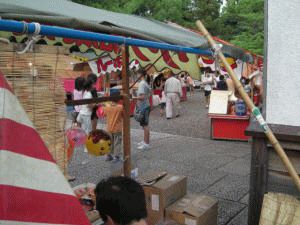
78, 95
84, 117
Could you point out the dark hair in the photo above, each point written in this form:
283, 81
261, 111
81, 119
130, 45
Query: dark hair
93, 77
79, 81
143, 72
69, 96
122, 199
247, 81
221, 77
88, 83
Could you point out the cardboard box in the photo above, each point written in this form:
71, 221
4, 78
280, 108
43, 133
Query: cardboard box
194, 209
161, 190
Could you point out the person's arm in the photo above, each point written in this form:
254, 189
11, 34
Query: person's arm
140, 97
165, 88
92, 105
180, 90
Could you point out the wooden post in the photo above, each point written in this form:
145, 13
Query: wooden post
258, 178
126, 119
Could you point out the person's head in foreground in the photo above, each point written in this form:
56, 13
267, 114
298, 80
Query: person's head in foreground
121, 201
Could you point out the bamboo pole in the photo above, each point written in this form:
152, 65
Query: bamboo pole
126, 118
255, 110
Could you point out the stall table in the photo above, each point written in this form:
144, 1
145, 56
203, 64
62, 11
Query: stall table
228, 127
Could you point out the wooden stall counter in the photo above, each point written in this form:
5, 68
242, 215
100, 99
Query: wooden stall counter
228, 127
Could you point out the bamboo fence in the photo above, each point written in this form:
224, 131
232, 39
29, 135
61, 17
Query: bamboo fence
37, 80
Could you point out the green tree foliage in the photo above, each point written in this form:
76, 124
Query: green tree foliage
243, 24
208, 11
162, 10
240, 22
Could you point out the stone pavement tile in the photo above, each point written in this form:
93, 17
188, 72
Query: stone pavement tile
240, 166
227, 210
205, 180
200, 178
245, 199
240, 219
232, 187
212, 161
146, 166
88, 173
228, 148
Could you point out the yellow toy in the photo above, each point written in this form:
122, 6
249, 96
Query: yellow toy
98, 143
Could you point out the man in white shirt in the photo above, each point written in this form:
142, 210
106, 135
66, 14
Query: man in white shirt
173, 92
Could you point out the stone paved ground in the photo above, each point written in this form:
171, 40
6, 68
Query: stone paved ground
182, 146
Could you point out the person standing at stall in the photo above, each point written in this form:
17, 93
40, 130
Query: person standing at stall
84, 116
78, 95
190, 84
143, 104
114, 116
222, 85
173, 92
208, 81
94, 117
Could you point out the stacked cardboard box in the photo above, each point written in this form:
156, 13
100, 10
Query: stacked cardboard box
194, 209
167, 199
161, 190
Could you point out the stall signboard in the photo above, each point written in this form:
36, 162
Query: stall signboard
86, 50
218, 102
236, 65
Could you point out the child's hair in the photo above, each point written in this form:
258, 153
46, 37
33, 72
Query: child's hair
88, 83
92, 77
222, 77
79, 81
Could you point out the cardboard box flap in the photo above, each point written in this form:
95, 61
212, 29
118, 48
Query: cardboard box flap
193, 205
151, 178
168, 181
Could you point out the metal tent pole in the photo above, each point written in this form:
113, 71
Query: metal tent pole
35, 28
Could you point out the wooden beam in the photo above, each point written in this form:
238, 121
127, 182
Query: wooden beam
93, 100
126, 118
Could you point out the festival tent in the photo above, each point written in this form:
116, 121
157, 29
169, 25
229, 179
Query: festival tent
32, 188
64, 13
240, 67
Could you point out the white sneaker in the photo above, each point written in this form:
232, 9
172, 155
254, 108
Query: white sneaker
84, 162
144, 147
140, 143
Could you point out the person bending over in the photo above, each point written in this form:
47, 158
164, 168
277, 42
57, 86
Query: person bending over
121, 201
